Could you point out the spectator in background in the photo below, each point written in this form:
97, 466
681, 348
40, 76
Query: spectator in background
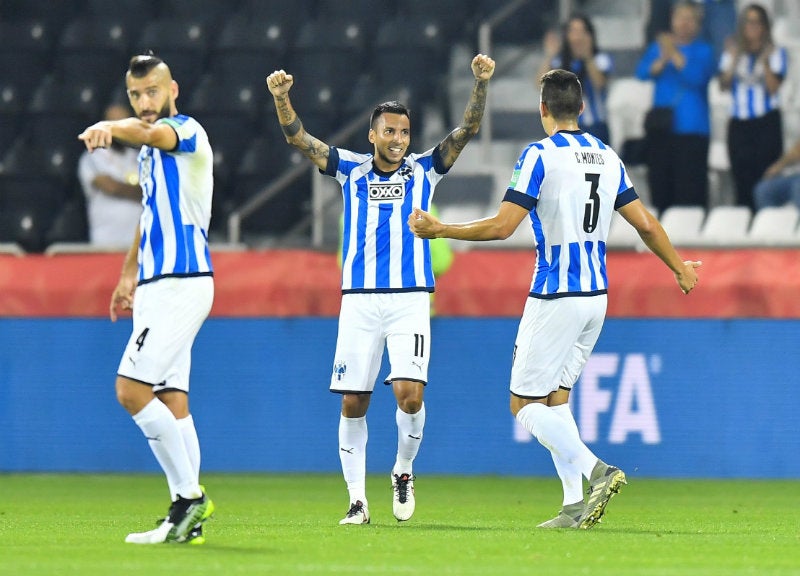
779, 185
753, 68
110, 181
678, 128
575, 49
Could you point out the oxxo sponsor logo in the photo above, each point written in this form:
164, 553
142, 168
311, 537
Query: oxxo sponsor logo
619, 385
382, 191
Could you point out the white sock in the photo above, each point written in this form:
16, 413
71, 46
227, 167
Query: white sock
586, 458
161, 430
192, 444
353, 454
563, 443
409, 437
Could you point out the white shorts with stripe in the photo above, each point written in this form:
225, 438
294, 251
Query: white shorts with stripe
554, 341
400, 321
167, 315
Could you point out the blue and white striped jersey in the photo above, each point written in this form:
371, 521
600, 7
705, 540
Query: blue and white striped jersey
379, 251
750, 96
572, 183
177, 187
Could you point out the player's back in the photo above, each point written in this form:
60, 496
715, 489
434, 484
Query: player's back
576, 180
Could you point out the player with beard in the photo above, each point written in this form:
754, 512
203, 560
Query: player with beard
168, 269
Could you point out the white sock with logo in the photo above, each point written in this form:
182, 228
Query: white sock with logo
191, 442
161, 430
409, 438
353, 455
561, 440
586, 458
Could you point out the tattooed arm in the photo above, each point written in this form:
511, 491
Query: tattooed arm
279, 84
454, 143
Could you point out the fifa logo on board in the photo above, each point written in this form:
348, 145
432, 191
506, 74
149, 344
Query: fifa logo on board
613, 400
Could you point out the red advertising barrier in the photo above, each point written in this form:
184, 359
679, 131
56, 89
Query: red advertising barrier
733, 284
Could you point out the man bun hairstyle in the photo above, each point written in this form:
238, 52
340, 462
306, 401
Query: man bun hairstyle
142, 64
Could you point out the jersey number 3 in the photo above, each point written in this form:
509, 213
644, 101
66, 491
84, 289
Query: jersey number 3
592, 211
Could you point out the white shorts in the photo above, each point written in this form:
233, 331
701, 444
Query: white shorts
400, 320
167, 314
554, 340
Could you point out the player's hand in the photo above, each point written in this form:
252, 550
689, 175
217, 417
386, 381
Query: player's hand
551, 44
687, 278
122, 297
482, 67
423, 224
279, 83
97, 136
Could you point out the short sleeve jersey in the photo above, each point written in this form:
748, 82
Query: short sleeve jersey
571, 182
379, 251
177, 187
751, 99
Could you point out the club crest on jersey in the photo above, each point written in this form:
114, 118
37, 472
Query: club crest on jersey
383, 191
339, 369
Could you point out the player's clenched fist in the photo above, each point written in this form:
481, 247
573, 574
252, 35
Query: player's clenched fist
279, 82
482, 67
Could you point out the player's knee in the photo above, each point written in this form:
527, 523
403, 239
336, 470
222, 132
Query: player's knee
133, 396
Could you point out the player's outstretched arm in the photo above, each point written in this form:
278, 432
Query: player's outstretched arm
655, 238
279, 84
131, 131
497, 227
454, 143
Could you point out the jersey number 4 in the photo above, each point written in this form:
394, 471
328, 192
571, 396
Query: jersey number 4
592, 211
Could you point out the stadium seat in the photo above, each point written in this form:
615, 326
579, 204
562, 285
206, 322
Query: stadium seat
725, 226
683, 224
13, 100
412, 52
28, 205
209, 12
289, 15
182, 44
472, 189
94, 51
249, 48
328, 55
25, 52
61, 109
458, 18
51, 14
134, 13
264, 160
775, 226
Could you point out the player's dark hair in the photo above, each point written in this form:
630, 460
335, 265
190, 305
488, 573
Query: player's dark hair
392, 107
142, 64
562, 93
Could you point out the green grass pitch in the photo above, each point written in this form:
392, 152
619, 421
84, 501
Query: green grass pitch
286, 524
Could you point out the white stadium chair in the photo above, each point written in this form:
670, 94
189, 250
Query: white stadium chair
726, 226
775, 226
683, 224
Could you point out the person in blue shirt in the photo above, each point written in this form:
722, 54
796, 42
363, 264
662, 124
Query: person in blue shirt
576, 50
753, 69
681, 66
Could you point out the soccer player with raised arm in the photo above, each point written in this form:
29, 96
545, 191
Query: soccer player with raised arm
386, 275
168, 268
569, 185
